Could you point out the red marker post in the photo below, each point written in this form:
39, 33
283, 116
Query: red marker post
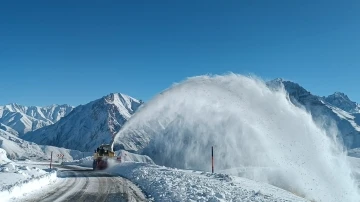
212, 159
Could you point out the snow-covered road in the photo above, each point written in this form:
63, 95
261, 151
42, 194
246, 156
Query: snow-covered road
81, 184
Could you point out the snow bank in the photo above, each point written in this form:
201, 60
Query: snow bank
250, 126
17, 180
27, 186
125, 157
165, 184
131, 157
85, 162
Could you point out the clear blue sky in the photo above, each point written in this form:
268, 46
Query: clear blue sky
76, 51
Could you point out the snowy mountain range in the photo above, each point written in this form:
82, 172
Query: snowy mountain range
23, 119
16, 120
336, 109
88, 126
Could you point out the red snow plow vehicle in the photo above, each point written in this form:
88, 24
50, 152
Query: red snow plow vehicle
101, 156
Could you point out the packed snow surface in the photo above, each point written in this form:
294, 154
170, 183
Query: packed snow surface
166, 184
251, 127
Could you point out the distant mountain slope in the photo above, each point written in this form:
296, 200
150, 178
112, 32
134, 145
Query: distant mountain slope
24, 119
8, 129
18, 148
88, 126
335, 109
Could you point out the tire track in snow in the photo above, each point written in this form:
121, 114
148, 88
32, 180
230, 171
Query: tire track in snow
80, 193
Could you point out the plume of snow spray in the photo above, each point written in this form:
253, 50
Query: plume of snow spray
254, 130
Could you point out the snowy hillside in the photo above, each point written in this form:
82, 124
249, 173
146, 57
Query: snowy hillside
251, 127
8, 129
327, 111
88, 126
17, 148
24, 119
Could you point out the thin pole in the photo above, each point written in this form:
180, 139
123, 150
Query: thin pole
51, 160
212, 159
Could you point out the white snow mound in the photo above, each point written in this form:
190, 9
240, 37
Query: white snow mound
17, 179
166, 184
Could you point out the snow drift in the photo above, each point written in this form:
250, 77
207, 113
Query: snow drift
166, 184
251, 127
17, 179
125, 157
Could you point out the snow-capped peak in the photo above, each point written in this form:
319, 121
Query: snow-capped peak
343, 102
124, 103
292, 88
341, 95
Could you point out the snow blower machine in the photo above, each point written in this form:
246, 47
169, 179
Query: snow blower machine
101, 156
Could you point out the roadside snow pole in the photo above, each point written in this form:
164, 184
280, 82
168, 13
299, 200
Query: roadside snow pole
212, 159
51, 160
